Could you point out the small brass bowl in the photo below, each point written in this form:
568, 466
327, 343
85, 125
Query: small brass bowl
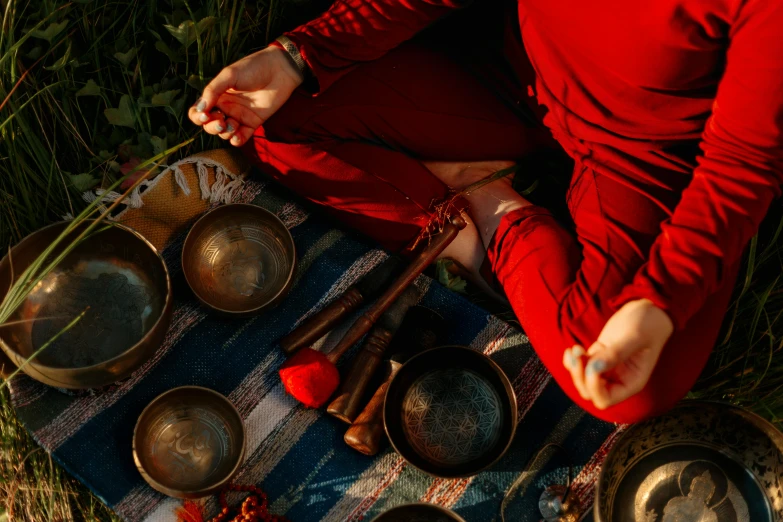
118, 277
450, 411
189, 442
239, 259
418, 512
702, 461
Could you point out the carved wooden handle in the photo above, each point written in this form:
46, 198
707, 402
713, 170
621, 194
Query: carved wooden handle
317, 325
366, 432
363, 324
348, 402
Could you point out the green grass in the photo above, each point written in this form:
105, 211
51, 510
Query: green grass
34, 488
746, 367
96, 84
88, 86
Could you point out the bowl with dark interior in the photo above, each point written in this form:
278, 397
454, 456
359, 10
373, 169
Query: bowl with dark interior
239, 259
120, 282
702, 461
189, 442
450, 411
418, 512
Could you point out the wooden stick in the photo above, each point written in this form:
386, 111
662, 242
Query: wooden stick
363, 324
317, 325
347, 405
366, 432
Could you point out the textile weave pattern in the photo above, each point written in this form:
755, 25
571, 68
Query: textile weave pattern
296, 454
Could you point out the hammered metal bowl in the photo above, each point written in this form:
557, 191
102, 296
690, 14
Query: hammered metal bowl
118, 277
239, 259
450, 411
189, 442
418, 512
701, 462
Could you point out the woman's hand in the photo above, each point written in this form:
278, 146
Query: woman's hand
619, 364
245, 94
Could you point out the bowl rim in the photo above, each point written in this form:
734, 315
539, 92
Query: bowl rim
759, 421
283, 289
444, 510
107, 362
184, 493
509, 388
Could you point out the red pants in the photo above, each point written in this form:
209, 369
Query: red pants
356, 150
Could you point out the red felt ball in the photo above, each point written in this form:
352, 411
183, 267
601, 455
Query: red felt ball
310, 377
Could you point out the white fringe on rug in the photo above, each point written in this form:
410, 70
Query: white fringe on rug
222, 190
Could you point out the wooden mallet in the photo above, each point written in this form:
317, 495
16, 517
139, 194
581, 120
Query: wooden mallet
347, 403
311, 376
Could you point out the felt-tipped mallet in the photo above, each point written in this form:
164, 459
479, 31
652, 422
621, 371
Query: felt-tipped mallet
310, 376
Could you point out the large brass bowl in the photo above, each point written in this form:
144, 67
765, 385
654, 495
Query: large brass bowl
239, 259
123, 283
701, 462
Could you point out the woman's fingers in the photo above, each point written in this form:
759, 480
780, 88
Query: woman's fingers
225, 80
231, 127
572, 360
216, 126
602, 359
241, 136
205, 117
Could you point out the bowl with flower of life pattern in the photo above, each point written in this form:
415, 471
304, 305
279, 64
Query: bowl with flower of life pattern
239, 259
450, 411
115, 278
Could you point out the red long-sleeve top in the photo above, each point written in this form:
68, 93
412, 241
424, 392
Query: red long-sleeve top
627, 83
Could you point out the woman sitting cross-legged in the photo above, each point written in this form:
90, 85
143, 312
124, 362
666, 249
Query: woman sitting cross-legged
672, 111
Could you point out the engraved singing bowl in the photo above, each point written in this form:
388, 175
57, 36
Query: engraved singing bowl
189, 442
418, 512
239, 259
114, 274
701, 462
450, 411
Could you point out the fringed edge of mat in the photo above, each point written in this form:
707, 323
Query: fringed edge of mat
221, 191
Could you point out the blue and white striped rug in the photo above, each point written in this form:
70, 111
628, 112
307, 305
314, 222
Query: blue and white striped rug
297, 455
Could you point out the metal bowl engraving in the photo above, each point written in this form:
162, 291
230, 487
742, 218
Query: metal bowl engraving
701, 462
188, 442
239, 259
450, 411
451, 416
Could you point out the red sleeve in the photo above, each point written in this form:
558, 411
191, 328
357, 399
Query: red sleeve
354, 31
737, 177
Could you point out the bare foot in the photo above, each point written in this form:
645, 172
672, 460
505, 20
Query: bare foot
487, 206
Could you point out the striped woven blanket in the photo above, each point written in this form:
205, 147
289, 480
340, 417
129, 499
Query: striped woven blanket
297, 455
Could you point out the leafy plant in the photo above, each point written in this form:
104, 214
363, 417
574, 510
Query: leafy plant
89, 87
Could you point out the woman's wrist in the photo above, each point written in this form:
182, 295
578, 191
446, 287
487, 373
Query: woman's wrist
294, 57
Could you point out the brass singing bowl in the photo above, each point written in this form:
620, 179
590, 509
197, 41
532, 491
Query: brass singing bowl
450, 411
114, 274
189, 442
239, 259
702, 461
418, 512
